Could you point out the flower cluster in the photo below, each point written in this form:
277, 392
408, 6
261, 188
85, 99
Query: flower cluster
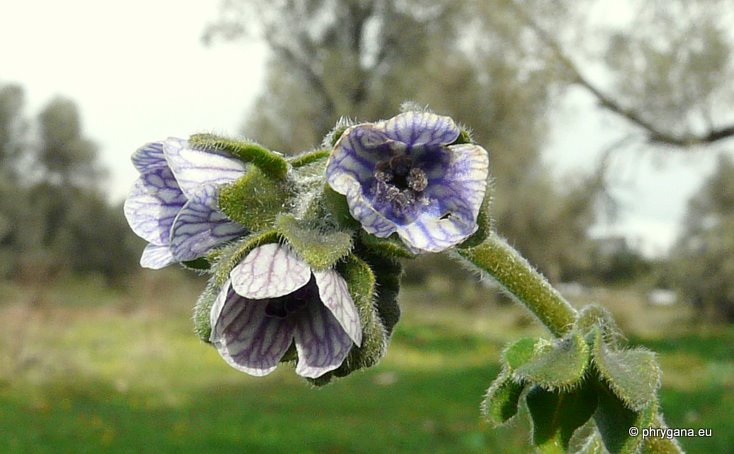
286, 281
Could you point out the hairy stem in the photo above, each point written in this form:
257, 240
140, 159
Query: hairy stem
503, 263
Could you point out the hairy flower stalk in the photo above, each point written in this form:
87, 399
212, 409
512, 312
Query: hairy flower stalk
174, 203
516, 276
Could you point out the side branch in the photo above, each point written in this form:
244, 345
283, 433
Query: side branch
654, 133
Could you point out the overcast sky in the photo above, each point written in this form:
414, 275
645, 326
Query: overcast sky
139, 72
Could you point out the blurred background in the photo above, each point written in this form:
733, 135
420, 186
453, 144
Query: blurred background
609, 126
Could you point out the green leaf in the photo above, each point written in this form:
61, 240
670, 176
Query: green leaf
633, 375
519, 352
202, 310
613, 419
391, 246
556, 415
320, 249
254, 200
227, 257
502, 398
558, 366
272, 164
361, 283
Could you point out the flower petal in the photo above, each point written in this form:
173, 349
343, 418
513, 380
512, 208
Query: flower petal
149, 156
321, 342
245, 337
461, 189
418, 128
431, 234
200, 226
156, 257
334, 293
357, 153
456, 200
365, 213
194, 168
152, 205
269, 271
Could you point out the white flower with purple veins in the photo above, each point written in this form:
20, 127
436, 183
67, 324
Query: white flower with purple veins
403, 175
273, 298
174, 203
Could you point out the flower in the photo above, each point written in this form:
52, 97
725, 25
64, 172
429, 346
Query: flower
403, 175
272, 299
174, 203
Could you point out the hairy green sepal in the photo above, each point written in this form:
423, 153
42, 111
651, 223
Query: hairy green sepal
320, 249
391, 246
273, 164
202, 311
254, 200
309, 157
337, 204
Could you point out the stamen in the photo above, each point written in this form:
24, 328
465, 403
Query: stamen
417, 180
399, 183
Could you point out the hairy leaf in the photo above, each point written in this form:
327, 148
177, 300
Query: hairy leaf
501, 400
633, 375
556, 415
558, 366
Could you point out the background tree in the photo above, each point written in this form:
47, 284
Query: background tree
665, 72
64, 156
54, 219
703, 260
362, 58
12, 136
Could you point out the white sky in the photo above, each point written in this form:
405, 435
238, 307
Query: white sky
139, 72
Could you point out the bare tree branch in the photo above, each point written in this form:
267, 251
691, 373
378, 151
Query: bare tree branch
654, 133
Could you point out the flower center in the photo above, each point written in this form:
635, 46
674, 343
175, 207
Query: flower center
399, 183
284, 306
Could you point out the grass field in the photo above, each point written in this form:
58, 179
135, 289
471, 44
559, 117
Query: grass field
84, 369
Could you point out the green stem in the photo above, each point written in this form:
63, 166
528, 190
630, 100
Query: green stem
498, 259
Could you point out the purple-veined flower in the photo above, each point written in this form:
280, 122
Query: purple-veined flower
403, 175
174, 203
272, 299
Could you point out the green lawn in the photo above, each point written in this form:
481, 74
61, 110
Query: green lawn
84, 370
